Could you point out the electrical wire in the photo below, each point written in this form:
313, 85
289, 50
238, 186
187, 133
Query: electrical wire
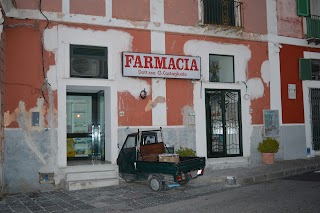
45, 83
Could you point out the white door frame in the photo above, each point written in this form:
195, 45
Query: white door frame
306, 85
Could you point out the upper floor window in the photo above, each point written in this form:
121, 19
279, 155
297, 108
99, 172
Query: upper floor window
311, 10
222, 12
221, 68
88, 61
309, 69
308, 7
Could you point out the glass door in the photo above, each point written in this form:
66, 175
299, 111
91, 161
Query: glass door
98, 129
224, 137
85, 128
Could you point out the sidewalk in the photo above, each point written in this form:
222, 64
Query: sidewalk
261, 172
134, 196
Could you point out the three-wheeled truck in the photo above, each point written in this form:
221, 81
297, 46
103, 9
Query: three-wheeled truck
144, 156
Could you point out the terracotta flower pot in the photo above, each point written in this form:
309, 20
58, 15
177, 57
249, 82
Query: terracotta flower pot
268, 158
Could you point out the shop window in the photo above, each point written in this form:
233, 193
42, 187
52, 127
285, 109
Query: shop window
222, 12
309, 69
88, 62
221, 68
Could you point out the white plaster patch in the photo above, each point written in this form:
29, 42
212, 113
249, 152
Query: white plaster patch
51, 39
52, 77
265, 72
110, 39
200, 48
157, 11
255, 88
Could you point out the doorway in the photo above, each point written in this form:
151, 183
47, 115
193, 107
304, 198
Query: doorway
223, 117
314, 97
85, 128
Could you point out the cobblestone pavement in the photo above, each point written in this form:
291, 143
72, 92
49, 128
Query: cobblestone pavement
123, 198
134, 196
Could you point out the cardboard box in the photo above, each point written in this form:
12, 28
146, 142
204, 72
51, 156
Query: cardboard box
173, 158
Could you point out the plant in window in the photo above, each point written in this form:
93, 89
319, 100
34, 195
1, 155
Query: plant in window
214, 68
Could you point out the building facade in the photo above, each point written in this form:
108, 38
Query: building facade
79, 76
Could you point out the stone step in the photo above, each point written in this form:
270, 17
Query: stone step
90, 168
89, 184
225, 163
78, 176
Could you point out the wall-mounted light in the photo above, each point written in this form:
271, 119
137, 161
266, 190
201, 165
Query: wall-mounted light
143, 94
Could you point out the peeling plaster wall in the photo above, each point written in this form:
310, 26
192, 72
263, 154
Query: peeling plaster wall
289, 24
45, 148
21, 170
292, 109
28, 149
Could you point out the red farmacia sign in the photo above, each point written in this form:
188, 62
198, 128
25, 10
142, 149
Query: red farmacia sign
160, 66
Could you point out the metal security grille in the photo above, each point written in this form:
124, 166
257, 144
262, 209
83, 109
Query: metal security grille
224, 137
314, 96
223, 12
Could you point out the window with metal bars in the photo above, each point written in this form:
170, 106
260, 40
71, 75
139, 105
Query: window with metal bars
314, 98
222, 12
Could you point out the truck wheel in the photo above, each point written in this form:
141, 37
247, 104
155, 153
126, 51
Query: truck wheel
184, 182
155, 183
128, 180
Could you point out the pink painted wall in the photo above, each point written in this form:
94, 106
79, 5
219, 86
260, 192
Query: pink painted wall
137, 10
88, 7
47, 5
289, 24
186, 14
255, 16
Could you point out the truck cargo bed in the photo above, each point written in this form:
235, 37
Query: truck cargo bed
186, 164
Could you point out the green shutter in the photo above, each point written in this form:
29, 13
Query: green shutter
305, 69
303, 8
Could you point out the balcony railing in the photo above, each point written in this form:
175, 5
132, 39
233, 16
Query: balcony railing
313, 29
223, 12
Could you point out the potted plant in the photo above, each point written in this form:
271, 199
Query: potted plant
268, 147
186, 152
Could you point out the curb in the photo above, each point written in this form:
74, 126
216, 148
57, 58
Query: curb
277, 174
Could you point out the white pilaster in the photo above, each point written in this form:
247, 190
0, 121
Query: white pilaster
275, 79
274, 58
109, 9
65, 6
159, 112
157, 11
272, 23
